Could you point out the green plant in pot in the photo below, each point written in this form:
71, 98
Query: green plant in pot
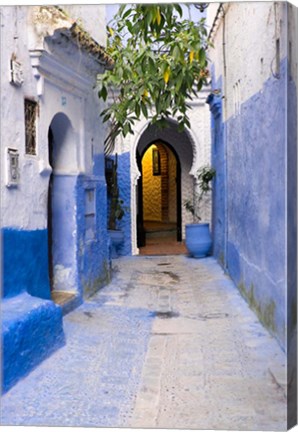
197, 235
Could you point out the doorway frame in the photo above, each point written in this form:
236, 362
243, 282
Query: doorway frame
131, 145
141, 236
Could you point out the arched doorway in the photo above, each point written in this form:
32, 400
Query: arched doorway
190, 150
61, 209
159, 194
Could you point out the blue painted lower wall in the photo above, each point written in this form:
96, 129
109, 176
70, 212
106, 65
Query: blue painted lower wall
80, 241
31, 324
92, 236
124, 189
250, 213
25, 262
31, 331
123, 178
292, 254
219, 183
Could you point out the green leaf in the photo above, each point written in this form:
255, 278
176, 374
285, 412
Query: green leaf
202, 57
144, 109
137, 110
176, 52
178, 9
103, 93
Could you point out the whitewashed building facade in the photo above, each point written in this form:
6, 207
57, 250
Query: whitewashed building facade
53, 189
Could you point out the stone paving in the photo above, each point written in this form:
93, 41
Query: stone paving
170, 343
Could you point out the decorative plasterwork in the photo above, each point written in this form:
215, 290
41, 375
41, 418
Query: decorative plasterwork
50, 20
45, 20
63, 52
47, 66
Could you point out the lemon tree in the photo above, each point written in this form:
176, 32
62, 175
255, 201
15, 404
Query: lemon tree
159, 66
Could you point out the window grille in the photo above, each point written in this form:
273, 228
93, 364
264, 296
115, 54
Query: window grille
30, 126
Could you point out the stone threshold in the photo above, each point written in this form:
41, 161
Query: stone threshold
67, 300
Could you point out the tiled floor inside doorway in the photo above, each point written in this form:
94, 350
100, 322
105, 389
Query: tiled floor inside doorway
161, 240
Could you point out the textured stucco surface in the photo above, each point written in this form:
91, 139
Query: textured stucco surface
25, 263
92, 236
292, 144
258, 204
31, 331
151, 189
124, 191
60, 78
91, 17
249, 153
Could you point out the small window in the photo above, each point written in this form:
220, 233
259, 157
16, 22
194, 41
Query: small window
30, 126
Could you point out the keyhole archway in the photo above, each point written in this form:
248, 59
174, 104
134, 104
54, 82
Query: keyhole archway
191, 154
159, 193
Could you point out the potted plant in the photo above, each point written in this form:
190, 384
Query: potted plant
197, 235
116, 209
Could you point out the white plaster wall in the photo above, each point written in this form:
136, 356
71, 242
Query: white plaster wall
293, 38
91, 17
247, 27
25, 206
172, 196
21, 206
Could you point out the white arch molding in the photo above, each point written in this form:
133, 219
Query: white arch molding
139, 130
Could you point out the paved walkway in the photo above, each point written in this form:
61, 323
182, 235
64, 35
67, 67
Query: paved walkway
170, 343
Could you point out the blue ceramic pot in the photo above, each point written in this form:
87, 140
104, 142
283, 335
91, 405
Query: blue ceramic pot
198, 239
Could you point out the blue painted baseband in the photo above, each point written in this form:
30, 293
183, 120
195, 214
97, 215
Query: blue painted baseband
249, 207
25, 262
31, 331
124, 191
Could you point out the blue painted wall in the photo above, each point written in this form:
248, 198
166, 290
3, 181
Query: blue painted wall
292, 205
123, 178
25, 262
31, 331
124, 190
255, 191
219, 182
292, 252
80, 240
92, 251
64, 227
31, 324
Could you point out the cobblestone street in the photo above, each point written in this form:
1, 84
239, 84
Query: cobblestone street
170, 343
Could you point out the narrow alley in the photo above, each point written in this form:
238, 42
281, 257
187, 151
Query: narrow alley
169, 343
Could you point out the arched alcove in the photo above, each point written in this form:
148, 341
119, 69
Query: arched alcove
62, 207
62, 148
